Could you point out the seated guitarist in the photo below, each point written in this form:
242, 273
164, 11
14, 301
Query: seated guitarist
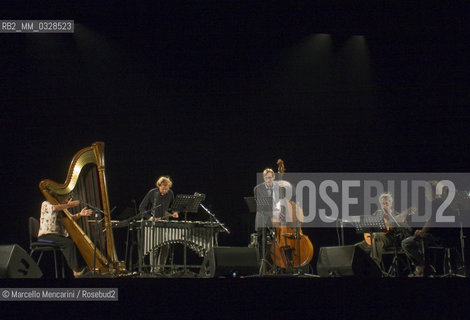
394, 235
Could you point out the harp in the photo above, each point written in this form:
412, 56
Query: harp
87, 182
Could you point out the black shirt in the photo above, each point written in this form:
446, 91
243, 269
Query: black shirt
155, 203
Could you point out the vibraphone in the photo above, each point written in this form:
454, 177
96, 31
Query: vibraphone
198, 236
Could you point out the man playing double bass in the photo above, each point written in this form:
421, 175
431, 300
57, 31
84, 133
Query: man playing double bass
290, 248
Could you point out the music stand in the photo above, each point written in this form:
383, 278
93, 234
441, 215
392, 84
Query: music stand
263, 204
186, 203
370, 224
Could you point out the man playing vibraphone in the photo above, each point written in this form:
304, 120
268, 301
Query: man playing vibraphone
155, 206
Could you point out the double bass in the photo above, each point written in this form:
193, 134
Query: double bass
291, 248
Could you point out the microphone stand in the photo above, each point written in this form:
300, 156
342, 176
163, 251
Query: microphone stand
96, 212
140, 239
130, 238
393, 218
216, 242
140, 235
393, 270
132, 221
153, 256
215, 219
462, 245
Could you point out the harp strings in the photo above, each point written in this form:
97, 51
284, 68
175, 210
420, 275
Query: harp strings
88, 191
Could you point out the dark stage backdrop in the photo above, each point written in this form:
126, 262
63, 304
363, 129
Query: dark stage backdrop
212, 92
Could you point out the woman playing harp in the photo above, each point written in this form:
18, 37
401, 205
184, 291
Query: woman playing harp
52, 229
86, 180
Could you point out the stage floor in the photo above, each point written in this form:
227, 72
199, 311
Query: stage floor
273, 297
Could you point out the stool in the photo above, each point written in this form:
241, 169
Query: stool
37, 245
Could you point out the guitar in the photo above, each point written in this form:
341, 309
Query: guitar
389, 223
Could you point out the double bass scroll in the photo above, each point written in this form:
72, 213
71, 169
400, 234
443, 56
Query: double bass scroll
86, 180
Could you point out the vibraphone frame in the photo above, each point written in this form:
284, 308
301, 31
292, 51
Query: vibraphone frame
197, 235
